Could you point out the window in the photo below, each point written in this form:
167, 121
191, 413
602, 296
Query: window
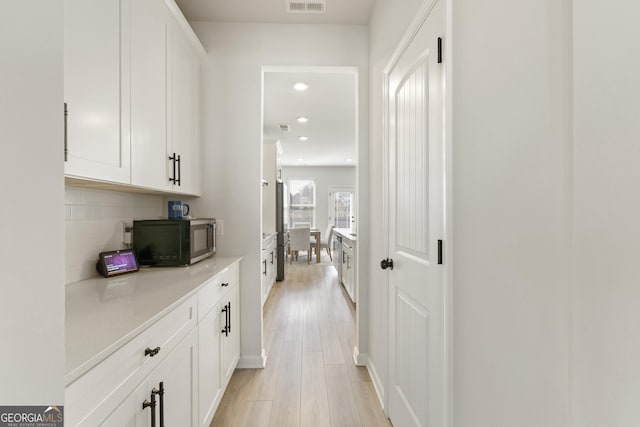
302, 209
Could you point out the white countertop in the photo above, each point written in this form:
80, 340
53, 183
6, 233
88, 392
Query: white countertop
103, 314
345, 233
266, 238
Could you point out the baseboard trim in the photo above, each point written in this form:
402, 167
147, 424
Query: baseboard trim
377, 384
253, 362
360, 359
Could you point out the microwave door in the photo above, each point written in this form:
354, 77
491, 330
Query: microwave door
200, 241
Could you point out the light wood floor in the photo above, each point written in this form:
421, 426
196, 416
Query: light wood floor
310, 378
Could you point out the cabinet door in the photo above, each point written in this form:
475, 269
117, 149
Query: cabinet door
179, 376
149, 19
96, 89
183, 111
131, 413
209, 337
230, 343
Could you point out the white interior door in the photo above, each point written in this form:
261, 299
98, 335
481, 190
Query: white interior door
417, 389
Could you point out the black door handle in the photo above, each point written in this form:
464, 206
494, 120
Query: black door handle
229, 314
386, 263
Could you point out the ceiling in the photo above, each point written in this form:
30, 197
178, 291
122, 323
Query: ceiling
330, 105
349, 12
330, 101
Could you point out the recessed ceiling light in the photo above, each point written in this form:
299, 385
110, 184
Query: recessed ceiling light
300, 86
349, 159
300, 159
303, 138
303, 119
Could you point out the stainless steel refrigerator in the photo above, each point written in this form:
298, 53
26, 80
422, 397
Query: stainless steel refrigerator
281, 227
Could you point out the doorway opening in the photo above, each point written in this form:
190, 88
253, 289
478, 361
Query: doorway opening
312, 115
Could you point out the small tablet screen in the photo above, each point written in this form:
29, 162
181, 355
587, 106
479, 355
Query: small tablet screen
117, 262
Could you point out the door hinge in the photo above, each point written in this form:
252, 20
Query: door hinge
439, 50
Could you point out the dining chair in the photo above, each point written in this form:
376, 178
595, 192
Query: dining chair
299, 241
326, 244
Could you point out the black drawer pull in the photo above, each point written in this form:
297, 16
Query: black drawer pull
151, 351
224, 285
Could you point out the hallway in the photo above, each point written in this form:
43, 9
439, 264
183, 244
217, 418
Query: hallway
310, 378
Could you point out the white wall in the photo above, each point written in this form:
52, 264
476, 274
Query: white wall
31, 218
93, 223
324, 177
512, 201
512, 218
232, 132
607, 214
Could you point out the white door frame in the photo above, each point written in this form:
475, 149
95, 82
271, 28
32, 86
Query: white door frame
412, 30
362, 167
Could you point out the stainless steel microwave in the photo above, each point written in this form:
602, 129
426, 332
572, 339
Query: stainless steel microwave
161, 242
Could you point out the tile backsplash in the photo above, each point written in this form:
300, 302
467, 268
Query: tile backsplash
94, 221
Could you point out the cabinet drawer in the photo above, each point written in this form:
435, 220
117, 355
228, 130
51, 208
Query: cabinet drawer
215, 289
92, 397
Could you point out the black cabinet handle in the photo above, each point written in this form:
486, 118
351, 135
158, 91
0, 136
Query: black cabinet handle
66, 146
440, 252
224, 285
271, 257
160, 392
146, 404
225, 330
173, 159
179, 169
264, 273
229, 314
151, 351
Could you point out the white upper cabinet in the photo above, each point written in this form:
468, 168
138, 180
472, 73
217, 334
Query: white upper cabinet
149, 28
183, 111
96, 90
165, 81
132, 80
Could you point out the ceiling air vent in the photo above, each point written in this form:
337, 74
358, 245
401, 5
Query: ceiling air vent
316, 6
284, 128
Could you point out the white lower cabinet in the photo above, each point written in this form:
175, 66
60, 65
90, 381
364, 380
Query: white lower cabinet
230, 342
269, 265
210, 385
348, 267
168, 395
182, 362
219, 340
